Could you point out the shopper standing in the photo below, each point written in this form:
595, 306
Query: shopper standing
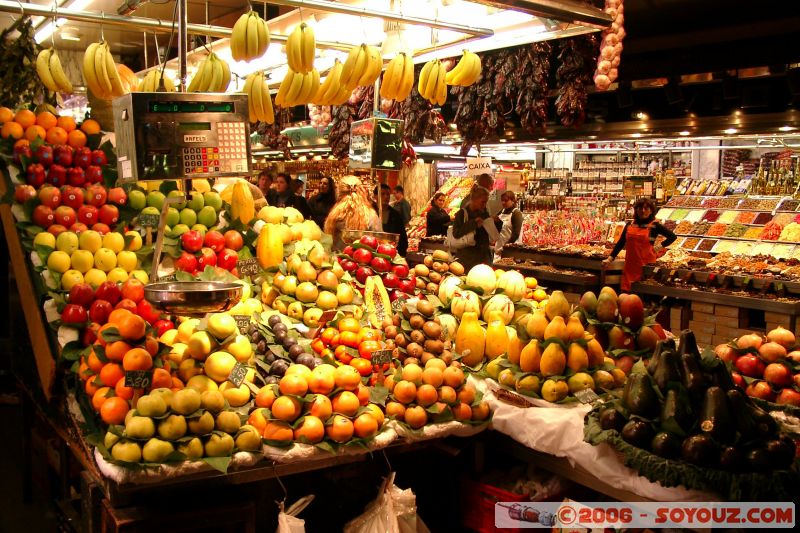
509, 222
282, 195
437, 219
321, 203
487, 182
353, 211
639, 240
401, 204
264, 182
469, 219
392, 220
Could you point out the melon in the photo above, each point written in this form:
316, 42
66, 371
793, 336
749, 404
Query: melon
448, 288
501, 304
513, 285
482, 277
465, 301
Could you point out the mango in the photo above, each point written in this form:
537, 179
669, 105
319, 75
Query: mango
577, 358
557, 305
575, 329
607, 308
588, 302
536, 324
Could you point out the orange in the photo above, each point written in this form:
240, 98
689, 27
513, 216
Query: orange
480, 411
257, 420
123, 391
413, 372
349, 324
363, 394
347, 378
311, 430
83, 370
376, 413
397, 410
286, 408
110, 374
415, 416
453, 377
340, 430
328, 335
427, 395
13, 130
341, 354
293, 384
321, 407
467, 394
25, 118
433, 376
117, 350
6, 115
266, 395
56, 135
117, 315
321, 380
132, 327
365, 426
100, 397
346, 403
46, 120
161, 379
91, 387
366, 347
389, 382
369, 334
363, 366
137, 359
462, 411
114, 409
318, 345
76, 139
67, 123
32, 132
349, 338
22, 142
90, 127
151, 345
405, 392
278, 431
94, 362
448, 395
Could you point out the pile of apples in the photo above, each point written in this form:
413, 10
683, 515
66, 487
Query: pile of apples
367, 257
212, 249
766, 368
72, 207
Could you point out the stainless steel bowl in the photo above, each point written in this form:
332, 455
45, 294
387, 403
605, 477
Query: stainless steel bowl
193, 297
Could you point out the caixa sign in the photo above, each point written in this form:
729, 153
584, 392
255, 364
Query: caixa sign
479, 165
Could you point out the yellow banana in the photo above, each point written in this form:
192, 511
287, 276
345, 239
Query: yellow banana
332, 83
113, 75
294, 89
101, 70
294, 49
216, 76
269, 113
353, 66
43, 70
239, 38
88, 69
248, 84
308, 47
433, 81
252, 36
424, 75
301, 98
408, 78
263, 36
283, 90
476, 69
441, 86
256, 94
314, 85
226, 76
392, 78
373, 67
198, 78
57, 72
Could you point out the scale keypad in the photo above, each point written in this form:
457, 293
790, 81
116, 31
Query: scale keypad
201, 160
229, 156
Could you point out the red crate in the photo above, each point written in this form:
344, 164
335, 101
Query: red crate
479, 502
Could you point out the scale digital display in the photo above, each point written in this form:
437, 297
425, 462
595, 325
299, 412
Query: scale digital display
194, 126
190, 107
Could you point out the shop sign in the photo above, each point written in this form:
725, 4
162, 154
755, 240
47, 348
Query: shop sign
479, 165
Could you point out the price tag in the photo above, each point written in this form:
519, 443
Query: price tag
238, 373
397, 305
324, 318
242, 322
171, 277
587, 396
138, 379
381, 357
248, 267
148, 220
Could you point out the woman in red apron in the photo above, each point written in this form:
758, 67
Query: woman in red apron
639, 240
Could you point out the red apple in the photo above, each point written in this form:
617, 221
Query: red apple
362, 256
788, 397
57, 229
110, 292
760, 389
94, 174
207, 258
50, 196
22, 151
44, 155
187, 262
23, 193
145, 310
62, 155
380, 264
133, 289
233, 240
778, 375
89, 335
74, 314
214, 240
99, 311
34, 175
394, 295
192, 241
56, 175
118, 196
391, 281
82, 157
81, 294
126, 303
72, 196
227, 259
65, 216
387, 249
43, 216
750, 365
348, 265
76, 176
348, 251
400, 270
109, 214
87, 214
407, 286
99, 158
162, 326
101, 228
96, 195
78, 227
369, 240
363, 273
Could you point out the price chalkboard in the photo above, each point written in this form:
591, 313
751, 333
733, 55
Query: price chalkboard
237, 375
148, 220
171, 277
242, 322
138, 379
587, 396
381, 357
397, 305
248, 267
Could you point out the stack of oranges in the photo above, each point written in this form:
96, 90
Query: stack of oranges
338, 407
353, 344
25, 126
123, 344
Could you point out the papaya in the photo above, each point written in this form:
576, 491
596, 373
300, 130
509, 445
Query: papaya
269, 247
531, 356
554, 361
537, 324
577, 358
596, 352
496, 336
470, 339
574, 329
376, 302
242, 204
557, 305
515, 346
556, 328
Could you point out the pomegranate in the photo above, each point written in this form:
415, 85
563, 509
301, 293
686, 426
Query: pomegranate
750, 365
726, 353
788, 397
782, 336
778, 375
760, 389
750, 340
771, 352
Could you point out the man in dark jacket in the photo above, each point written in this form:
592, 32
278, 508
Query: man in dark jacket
392, 220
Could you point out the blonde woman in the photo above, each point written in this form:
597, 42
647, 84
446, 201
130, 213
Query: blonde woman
353, 211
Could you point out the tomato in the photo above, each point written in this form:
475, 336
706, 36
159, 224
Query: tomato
366, 348
349, 338
369, 334
349, 324
364, 366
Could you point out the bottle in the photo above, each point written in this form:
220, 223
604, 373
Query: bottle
659, 185
758, 180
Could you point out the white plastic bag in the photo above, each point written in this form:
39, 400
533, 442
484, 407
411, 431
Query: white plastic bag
287, 519
394, 511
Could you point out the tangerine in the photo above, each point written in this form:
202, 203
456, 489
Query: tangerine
137, 359
415, 416
286, 408
91, 386
369, 334
114, 409
278, 431
258, 420
161, 379
397, 410
76, 139
116, 316
22, 142
34, 132
480, 411
111, 373
293, 384
346, 403
122, 391
266, 395
6, 115
347, 377
349, 324
116, 350
90, 127
363, 394
151, 345
25, 118
132, 327
311, 430
321, 407
66, 122
94, 362
46, 120
349, 339
405, 392
328, 335
56, 135
363, 366
340, 430
467, 394
13, 130
427, 395
462, 411
365, 426
99, 397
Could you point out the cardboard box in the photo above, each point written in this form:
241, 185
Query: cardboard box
725, 311
705, 317
702, 327
704, 339
701, 307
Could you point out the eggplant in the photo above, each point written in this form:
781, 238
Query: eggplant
758, 460
781, 452
700, 450
731, 459
640, 397
638, 432
677, 410
664, 344
752, 422
715, 416
693, 378
667, 370
610, 418
666, 445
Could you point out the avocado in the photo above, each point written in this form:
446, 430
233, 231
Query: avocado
781, 452
751, 421
666, 370
700, 450
610, 418
758, 460
676, 414
638, 432
688, 344
666, 445
715, 416
640, 397
721, 377
731, 459
665, 344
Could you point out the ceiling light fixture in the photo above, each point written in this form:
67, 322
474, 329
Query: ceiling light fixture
787, 128
641, 115
684, 133
47, 30
730, 131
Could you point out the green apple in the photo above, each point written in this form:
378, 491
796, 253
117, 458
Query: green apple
219, 445
117, 275
193, 450
173, 216
137, 199
174, 194
155, 199
127, 451
179, 229
172, 428
201, 228
151, 211
248, 439
140, 427
105, 259
151, 405
213, 200
188, 217
207, 216
156, 450
196, 201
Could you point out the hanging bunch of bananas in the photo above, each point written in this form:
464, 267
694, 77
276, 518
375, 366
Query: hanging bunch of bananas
297, 89
250, 37
362, 67
213, 76
100, 72
151, 82
48, 67
432, 84
259, 103
300, 49
398, 78
466, 72
331, 91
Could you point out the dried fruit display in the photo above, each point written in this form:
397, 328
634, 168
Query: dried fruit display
783, 219
717, 230
339, 136
728, 216
683, 227
679, 214
711, 215
694, 215
772, 230
572, 76
421, 119
700, 228
762, 218
735, 230
533, 73
752, 233
746, 217
664, 213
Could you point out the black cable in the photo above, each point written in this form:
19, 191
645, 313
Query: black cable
161, 87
